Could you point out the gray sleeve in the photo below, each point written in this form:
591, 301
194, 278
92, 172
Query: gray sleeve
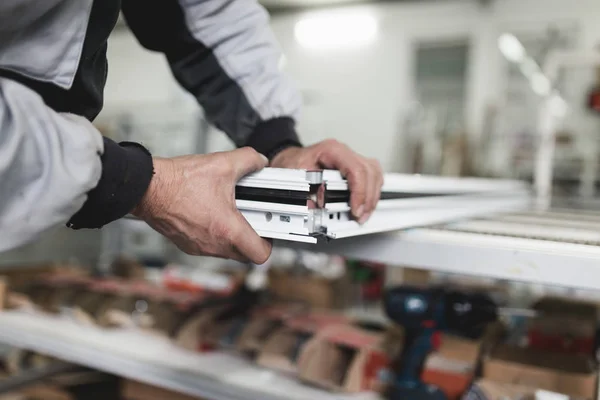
48, 162
241, 40
225, 54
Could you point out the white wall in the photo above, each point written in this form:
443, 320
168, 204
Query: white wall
136, 76
362, 93
363, 105
358, 96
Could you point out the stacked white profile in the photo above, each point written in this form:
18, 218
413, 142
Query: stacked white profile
302, 206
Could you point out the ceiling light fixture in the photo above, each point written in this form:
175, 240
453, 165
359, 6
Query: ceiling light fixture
540, 84
558, 105
511, 47
529, 67
336, 31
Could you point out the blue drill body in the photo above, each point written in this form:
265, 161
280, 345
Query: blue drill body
422, 313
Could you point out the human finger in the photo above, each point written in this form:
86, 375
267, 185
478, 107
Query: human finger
375, 182
338, 156
247, 160
248, 243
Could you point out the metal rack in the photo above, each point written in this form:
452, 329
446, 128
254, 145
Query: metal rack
154, 360
554, 248
559, 248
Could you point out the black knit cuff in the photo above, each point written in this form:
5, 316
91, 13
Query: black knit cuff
126, 173
272, 136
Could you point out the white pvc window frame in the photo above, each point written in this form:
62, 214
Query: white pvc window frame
463, 198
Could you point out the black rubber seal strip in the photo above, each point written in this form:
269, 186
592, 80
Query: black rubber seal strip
343, 196
292, 197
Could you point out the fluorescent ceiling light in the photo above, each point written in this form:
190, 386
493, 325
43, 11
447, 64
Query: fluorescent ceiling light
529, 67
511, 47
336, 31
558, 105
540, 84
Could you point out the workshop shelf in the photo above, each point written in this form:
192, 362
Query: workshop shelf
148, 358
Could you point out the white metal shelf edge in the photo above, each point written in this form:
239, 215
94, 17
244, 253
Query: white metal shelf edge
498, 257
154, 360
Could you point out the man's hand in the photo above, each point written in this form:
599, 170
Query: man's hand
365, 176
191, 200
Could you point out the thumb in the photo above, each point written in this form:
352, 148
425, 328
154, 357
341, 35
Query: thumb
247, 160
248, 243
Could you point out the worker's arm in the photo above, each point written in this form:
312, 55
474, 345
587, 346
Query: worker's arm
56, 168
224, 53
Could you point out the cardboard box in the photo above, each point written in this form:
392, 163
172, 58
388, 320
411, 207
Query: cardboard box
344, 358
407, 276
128, 303
485, 389
564, 326
132, 390
90, 302
13, 396
452, 367
123, 267
567, 307
43, 392
201, 332
17, 301
493, 336
18, 276
262, 325
256, 332
281, 350
453, 377
62, 297
460, 349
17, 360
3, 293
168, 317
117, 311
36, 292
53, 292
574, 375
317, 292
166, 310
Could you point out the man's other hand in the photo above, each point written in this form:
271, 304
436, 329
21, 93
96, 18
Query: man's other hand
365, 176
191, 201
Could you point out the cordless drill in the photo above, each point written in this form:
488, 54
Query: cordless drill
423, 313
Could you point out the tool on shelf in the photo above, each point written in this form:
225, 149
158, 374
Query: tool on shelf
424, 312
